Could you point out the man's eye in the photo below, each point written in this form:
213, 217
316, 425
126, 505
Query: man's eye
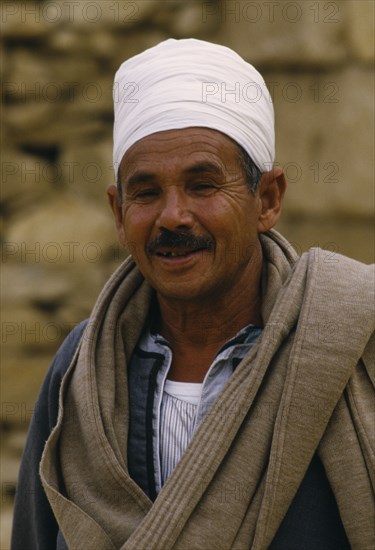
146, 194
204, 187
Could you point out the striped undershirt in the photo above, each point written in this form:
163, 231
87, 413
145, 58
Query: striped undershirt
177, 422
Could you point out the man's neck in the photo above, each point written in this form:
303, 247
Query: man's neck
197, 331
199, 327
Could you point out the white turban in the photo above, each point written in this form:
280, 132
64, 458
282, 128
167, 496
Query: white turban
192, 83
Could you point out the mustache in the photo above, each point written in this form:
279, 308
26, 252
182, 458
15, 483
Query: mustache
170, 239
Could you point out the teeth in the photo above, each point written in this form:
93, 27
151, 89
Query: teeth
173, 254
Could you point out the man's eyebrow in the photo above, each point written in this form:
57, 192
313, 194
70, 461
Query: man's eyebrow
204, 167
139, 177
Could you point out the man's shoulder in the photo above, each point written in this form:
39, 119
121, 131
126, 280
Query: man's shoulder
67, 350
46, 408
341, 291
345, 262
341, 270
62, 361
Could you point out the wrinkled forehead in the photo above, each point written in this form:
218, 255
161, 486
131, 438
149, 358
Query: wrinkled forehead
178, 141
188, 149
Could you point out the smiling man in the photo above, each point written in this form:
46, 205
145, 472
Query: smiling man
220, 395
192, 224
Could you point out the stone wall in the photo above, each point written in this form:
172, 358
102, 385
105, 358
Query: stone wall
57, 233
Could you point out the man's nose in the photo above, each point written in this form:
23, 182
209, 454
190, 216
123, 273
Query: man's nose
174, 210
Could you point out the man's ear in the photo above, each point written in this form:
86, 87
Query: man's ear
271, 191
114, 203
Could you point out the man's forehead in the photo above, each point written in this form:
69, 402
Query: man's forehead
189, 146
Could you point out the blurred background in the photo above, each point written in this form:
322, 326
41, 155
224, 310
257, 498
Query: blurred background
58, 239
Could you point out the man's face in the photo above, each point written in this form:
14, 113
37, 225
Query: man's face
188, 217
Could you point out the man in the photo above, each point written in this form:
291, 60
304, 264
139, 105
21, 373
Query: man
219, 395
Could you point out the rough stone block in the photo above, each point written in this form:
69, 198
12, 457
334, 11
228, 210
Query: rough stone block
134, 42
91, 16
91, 99
361, 31
60, 125
27, 331
25, 179
87, 170
23, 20
64, 231
23, 269
290, 33
51, 101
22, 377
325, 140
29, 78
36, 124
6, 515
34, 79
185, 20
351, 237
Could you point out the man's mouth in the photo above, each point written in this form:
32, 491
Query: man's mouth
177, 253
174, 245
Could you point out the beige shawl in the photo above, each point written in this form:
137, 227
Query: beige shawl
306, 386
